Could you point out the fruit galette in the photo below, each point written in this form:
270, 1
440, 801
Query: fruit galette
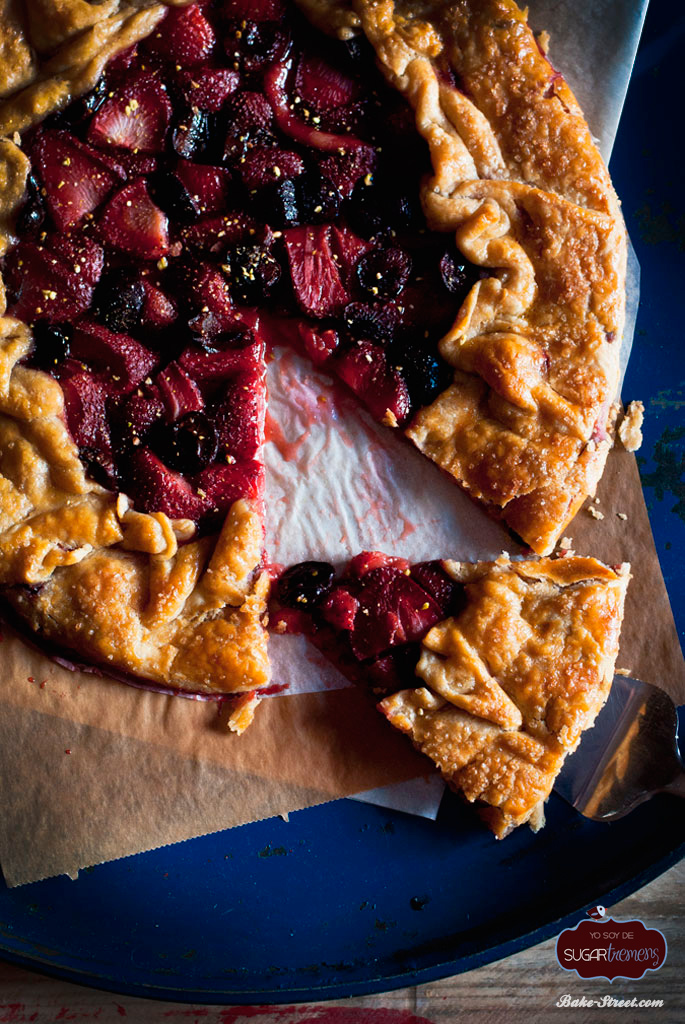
407, 193
514, 660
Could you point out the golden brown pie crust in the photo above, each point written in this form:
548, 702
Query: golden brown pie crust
513, 681
535, 346
520, 182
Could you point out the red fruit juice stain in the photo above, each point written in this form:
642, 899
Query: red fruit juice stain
288, 449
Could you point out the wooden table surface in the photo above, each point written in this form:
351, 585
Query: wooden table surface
519, 990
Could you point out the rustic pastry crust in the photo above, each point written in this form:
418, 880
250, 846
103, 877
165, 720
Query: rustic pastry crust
86, 571
519, 181
514, 680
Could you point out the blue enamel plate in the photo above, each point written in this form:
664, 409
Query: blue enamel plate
348, 898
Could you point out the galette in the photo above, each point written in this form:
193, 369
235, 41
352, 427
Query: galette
408, 193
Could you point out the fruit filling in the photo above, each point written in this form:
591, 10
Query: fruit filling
369, 621
235, 170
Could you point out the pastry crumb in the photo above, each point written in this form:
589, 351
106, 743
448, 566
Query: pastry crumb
621, 515
622, 672
630, 428
595, 513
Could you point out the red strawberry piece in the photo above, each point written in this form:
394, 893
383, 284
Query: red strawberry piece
248, 112
444, 590
184, 37
136, 165
289, 620
214, 368
216, 234
155, 488
127, 360
275, 87
344, 170
85, 406
136, 118
256, 10
340, 608
221, 485
76, 180
122, 61
159, 310
239, 418
393, 609
348, 249
324, 87
207, 186
209, 88
53, 281
142, 408
131, 222
364, 369
316, 281
264, 165
318, 344
367, 561
395, 670
179, 392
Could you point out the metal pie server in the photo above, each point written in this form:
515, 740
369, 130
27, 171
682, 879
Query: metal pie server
629, 755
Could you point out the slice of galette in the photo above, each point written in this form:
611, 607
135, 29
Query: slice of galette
230, 175
493, 669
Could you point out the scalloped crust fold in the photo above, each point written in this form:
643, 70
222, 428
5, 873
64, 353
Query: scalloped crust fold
518, 180
512, 682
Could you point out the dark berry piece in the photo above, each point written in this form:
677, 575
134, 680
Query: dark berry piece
375, 322
171, 195
306, 584
318, 200
383, 273
118, 301
53, 344
32, 212
190, 135
254, 273
279, 204
425, 373
80, 109
365, 210
457, 274
253, 46
188, 445
101, 467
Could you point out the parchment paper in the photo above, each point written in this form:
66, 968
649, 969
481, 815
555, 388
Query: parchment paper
91, 770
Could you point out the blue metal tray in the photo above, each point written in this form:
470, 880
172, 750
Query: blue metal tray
348, 898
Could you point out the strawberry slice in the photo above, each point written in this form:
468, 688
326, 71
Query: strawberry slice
323, 87
348, 249
364, 368
344, 170
159, 310
393, 609
215, 368
53, 281
221, 485
367, 561
216, 234
239, 418
184, 37
209, 88
85, 407
316, 280
131, 222
340, 608
264, 165
155, 488
127, 360
275, 87
444, 590
207, 186
318, 344
141, 409
136, 118
179, 392
76, 180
